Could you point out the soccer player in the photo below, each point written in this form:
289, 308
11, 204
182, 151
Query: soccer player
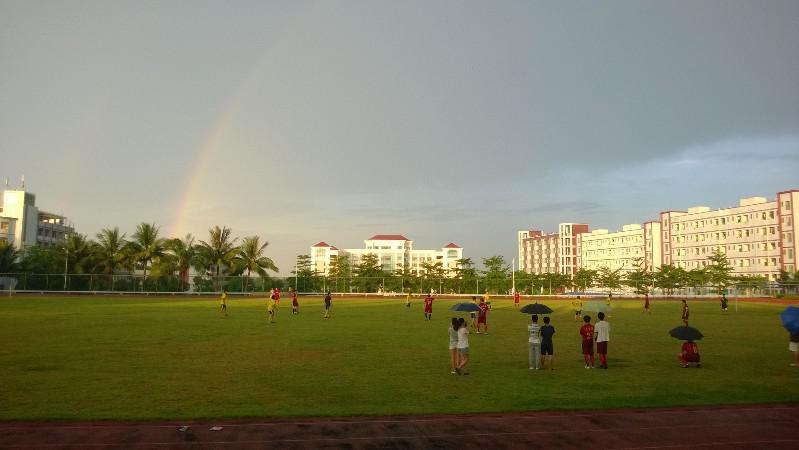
428, 307
271, 306
602, 336
328, 304
295, 305
723, 301
482, 316
587, 333
689, 354
223, 302
646, 304
516, 298
487, 299
685, 312
408, 301
577, 305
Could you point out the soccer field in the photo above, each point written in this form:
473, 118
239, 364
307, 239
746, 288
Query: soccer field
175, 358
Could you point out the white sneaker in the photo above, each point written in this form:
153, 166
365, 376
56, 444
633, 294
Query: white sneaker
587, 367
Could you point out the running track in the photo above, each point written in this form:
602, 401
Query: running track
760, 427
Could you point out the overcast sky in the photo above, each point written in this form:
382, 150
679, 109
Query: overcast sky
444, 121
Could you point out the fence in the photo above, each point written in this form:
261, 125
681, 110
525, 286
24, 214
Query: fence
241, 284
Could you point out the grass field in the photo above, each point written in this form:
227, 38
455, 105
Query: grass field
173, 358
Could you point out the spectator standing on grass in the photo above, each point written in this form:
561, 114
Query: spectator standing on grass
587, 333
428, 307
602, 337
328, 304
223, 302
685, 312
547, 347
463, 347
482, 316
793, 346
453, 344
534, 343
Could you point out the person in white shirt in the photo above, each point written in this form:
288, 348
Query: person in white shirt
453, 344
534, 343
463, 346
602, 336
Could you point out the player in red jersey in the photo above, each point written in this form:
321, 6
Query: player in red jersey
516, 298
587, 333
482, 315
295, 305
689, 354
428, 307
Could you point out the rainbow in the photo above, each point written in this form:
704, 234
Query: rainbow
189, 201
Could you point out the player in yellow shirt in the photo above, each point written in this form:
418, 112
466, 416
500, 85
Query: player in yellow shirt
487, 299
408, 301
271, 306
223, 303
577, 306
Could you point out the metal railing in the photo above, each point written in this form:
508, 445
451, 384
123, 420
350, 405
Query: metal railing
198, 284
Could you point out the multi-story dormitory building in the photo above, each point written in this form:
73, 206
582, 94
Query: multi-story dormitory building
23, 224
758, 236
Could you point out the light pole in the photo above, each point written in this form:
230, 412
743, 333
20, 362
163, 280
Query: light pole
66, 265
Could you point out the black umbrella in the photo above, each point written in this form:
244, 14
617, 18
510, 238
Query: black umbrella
464, 307
536, 308
685, 333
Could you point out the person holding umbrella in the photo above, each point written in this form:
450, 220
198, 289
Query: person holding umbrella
689, 353
790, 320
534, 343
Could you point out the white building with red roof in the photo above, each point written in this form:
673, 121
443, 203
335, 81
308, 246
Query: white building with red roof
394, 251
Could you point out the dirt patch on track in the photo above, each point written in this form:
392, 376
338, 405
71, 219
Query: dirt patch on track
763, 426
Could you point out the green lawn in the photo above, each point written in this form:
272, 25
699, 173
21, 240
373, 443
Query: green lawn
172, 357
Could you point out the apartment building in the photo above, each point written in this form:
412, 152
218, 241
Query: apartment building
633, 246
552, 252
394, 251
758, 236
23, 223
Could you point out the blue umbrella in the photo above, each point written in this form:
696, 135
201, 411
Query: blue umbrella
464, 307
790, 319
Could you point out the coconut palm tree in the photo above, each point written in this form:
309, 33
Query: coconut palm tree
8, 258
251, 257
146, 245
185, 255
110, 250
79, 253
219, 252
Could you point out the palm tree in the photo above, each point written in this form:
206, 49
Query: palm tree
220, 251
110, 250
184, 252
146, 245
8, 257
79, 252
251, 257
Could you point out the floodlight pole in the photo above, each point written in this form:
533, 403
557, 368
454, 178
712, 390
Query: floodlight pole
513, 276
66, 264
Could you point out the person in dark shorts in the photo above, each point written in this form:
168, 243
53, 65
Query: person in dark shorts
295, 305
602, 337
723, 301
689, 354
587, 334
547, 347
685, 312
793, 346
646, 304
328, 304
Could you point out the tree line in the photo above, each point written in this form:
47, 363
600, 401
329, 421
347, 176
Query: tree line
145, 252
